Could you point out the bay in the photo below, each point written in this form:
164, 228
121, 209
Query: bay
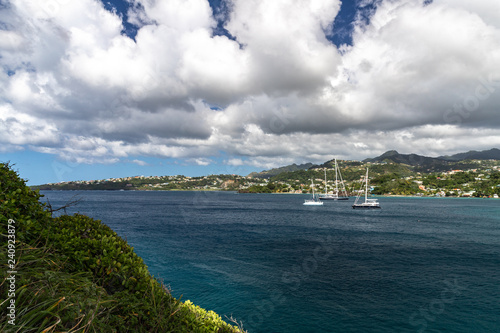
416, 265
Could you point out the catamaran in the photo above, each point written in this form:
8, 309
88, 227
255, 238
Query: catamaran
369, 203
335, 196
314, 201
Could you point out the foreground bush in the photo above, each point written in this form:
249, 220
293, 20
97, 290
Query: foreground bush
75, 274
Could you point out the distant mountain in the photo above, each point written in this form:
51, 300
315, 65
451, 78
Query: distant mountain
419, 160
277, 171
409, 159
437, 164
492, 154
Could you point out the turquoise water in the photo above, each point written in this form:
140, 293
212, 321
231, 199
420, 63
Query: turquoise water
416, 265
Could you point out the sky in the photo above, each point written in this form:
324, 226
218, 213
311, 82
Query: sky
96, 89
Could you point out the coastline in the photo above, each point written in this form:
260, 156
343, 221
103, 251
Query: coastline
273, 193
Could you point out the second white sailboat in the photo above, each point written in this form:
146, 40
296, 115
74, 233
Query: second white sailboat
335, 196
314, 201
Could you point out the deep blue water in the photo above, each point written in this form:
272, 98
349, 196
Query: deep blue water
416, 265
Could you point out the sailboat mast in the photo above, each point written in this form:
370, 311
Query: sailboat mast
336, 180
366, 187
326, 190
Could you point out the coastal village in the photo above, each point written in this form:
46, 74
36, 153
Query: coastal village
481, 179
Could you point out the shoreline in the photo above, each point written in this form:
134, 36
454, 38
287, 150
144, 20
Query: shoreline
276, 193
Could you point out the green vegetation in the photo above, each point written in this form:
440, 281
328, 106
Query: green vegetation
394, 184
277, 171
301, 176
74, 274
477, 183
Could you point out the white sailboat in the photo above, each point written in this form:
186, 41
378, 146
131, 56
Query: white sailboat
314, 201
369, 203
335, 196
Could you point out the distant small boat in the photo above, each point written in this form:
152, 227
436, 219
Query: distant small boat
369, 203
335, 196
314, 201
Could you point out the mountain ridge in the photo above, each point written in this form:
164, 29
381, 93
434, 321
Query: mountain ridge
420, 161
276, 171
491, 154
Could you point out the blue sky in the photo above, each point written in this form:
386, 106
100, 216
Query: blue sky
92, 90
339, 33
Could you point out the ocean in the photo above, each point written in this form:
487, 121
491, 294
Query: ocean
416, 265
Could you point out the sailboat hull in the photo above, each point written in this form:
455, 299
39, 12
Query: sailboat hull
361, 206
333, 198
313, 203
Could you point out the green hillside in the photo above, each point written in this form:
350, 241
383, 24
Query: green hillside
276, 171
